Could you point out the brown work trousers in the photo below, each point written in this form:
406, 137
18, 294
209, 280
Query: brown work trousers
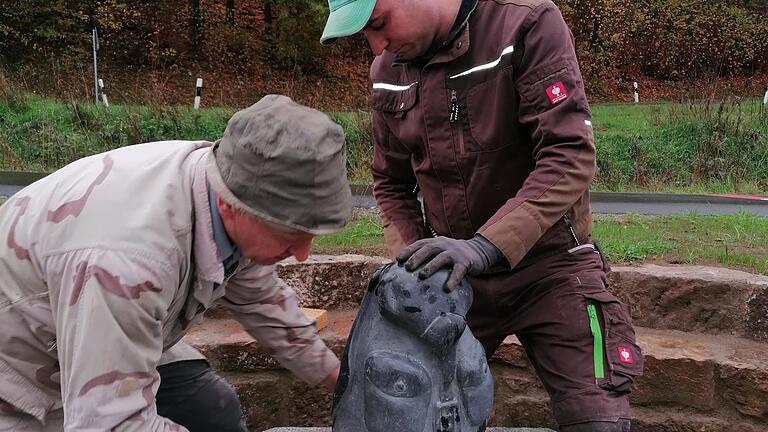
554, 306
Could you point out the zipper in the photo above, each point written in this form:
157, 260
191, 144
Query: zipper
453, 117
568, 224
597, 337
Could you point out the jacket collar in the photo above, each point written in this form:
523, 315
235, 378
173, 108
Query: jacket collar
455, 45
228, 251
458, 48
208, 263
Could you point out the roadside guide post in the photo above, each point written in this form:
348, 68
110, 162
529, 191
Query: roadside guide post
635, 92
765, 100
198, 92
103, 93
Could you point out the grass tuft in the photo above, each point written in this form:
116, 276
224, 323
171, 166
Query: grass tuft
734, 241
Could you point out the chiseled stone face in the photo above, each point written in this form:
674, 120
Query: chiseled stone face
411, 364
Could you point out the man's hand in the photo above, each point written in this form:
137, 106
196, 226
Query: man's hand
330, 381
473, 256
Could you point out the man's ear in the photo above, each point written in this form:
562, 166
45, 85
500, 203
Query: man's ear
226, 211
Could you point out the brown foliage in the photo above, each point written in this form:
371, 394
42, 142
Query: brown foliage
668, 39
252, 47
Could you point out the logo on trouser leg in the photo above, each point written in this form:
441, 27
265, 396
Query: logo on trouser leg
625, 355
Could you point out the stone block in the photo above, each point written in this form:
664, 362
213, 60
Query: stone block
674, 420
319, 316
330, 282
694, 298
529, 410
745, 388
308, 405
262, 397
676, 380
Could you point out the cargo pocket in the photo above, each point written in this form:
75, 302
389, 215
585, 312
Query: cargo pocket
617, 357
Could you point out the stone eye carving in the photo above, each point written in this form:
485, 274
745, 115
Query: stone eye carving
396, 376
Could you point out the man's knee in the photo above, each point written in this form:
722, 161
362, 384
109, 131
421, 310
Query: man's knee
222, 398
194, 396
622, 425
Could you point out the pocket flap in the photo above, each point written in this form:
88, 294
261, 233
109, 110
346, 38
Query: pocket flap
394, 97
602, 296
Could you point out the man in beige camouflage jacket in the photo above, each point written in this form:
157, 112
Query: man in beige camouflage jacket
106, 263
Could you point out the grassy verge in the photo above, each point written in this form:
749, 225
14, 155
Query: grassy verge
682, 147
43, 135
734, 241
692, 147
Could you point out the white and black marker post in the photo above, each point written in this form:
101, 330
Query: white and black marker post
103, 93
198, 92
635, 92
95, 42
765, 100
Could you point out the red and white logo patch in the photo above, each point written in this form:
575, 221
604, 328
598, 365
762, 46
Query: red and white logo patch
557, 93
625, 355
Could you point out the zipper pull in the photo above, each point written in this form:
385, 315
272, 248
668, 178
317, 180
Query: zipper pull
454, 115
568, 223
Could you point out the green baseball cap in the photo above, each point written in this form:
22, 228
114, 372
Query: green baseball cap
347, 17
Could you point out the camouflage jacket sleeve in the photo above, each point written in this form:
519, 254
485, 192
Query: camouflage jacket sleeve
109, 308
269, 310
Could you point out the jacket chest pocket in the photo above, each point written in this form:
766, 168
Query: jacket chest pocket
394, 99
397, 105
485, 112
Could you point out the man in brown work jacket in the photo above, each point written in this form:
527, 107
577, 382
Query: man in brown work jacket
480, 105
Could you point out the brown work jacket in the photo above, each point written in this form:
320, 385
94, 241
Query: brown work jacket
496, 132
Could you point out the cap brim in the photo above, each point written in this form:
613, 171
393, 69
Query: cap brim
347, 20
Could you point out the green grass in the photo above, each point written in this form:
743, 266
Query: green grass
682, 147
734, 241
737, 241
363, 235
672, 147
357, 127
43, 135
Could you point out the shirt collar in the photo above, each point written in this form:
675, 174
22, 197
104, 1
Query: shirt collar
227, 250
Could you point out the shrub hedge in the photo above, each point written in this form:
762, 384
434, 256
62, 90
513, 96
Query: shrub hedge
671, 39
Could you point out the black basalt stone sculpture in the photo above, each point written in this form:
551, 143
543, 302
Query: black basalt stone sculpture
411, 364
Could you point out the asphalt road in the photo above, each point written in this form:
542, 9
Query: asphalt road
617, 203
653, 204
8, 190
669, 208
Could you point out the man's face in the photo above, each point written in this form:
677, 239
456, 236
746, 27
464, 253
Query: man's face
261, 241
405, 27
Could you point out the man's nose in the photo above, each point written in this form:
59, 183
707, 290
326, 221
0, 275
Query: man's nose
301, 252
378, 44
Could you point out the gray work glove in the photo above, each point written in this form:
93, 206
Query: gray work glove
473, 256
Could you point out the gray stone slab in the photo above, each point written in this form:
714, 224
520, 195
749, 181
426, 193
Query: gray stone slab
301, 429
